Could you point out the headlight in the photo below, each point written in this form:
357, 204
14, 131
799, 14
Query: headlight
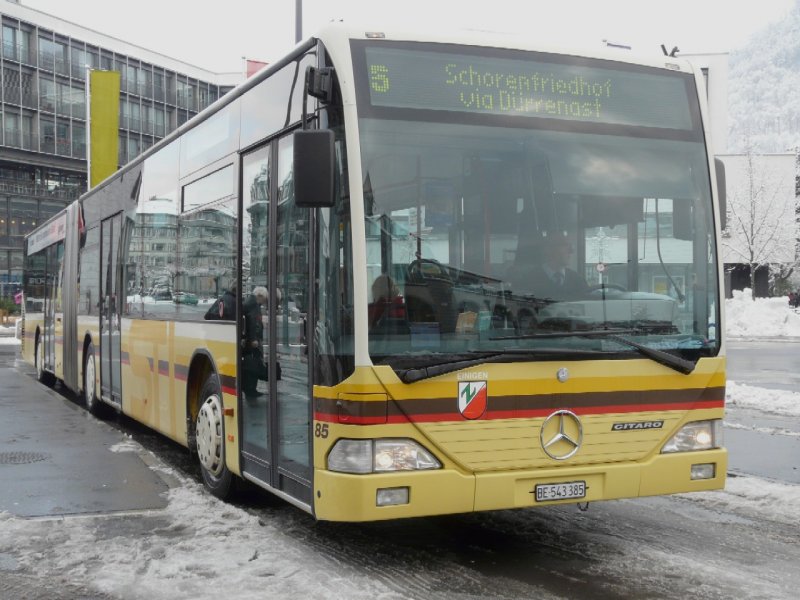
699, 435
380, 456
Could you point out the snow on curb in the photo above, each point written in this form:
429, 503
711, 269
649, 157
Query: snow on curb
760, 317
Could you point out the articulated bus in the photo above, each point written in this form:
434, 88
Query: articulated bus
400, 275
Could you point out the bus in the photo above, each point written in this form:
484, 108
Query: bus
334, 283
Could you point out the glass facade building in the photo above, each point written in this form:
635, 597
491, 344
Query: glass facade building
43, 115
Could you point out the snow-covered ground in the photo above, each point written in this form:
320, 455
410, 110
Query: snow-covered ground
7, 335
760, 318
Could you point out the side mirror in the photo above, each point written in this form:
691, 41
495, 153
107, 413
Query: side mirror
314, 168
721, 193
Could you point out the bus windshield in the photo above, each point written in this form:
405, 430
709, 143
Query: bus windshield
511, 197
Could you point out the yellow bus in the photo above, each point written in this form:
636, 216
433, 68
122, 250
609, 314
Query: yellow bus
394, 275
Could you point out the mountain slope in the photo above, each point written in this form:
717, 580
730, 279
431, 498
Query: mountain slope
764, 89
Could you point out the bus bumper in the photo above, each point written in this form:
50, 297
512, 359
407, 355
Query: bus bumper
662, 474
344, 497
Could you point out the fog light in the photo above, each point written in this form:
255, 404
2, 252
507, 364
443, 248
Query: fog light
391, 496
704, 471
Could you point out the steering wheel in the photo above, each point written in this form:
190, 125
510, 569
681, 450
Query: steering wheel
423, 268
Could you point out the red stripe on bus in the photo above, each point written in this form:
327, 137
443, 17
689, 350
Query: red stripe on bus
228, 390
516, 414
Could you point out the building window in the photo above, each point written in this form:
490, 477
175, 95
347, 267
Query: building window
158, 86
27, 89
61, 58
47, 95
23, 218
3, 222
47, 54
10, 49
62, 139
29, 141
78, 63
11, 86
47, 135
78, 140
11, 130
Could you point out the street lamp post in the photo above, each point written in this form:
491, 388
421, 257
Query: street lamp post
298, 20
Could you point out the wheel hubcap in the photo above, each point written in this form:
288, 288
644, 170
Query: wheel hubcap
209, 435
40, 361
89, 383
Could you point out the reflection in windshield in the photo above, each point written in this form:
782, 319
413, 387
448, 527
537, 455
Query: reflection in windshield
480, 235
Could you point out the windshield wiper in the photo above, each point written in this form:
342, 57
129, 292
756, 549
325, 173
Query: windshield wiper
412, 375
665, 358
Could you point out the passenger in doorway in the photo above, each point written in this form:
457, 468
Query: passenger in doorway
224, 309
254, 366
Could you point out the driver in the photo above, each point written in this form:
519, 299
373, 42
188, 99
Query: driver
553, 278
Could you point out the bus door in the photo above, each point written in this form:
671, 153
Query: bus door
291, 297
276, 401
57, 342
110, 371
54, 257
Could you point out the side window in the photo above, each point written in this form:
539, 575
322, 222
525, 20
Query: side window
274, 103
206, 267
34, 282
58, 276
88, 294
154, 238
256, 179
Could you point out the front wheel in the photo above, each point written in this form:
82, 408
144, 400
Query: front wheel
210, 438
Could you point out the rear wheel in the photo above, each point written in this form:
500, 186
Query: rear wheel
93, 404
210, 438
42, 376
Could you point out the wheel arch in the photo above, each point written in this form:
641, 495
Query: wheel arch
87, 339
201, 366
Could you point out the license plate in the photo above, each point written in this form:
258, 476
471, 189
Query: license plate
547, 492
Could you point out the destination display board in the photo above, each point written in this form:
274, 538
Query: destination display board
565, 89
55, 231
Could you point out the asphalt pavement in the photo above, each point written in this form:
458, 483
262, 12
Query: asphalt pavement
56, 459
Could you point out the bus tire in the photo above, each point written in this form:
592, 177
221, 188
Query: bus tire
210, 440
42, 376
90, 399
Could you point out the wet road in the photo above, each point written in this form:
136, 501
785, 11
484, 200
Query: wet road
773, 364
759, 443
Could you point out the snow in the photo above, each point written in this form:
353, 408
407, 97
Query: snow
198, 545
771, 401
754, 497
192, 549
747, 317
7, 333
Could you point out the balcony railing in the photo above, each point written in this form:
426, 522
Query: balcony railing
32, 189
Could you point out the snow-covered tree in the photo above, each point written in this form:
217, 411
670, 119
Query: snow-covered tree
761, 228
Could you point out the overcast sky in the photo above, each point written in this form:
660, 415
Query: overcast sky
216, 35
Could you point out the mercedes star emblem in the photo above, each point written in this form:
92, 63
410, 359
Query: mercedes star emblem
561, 434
